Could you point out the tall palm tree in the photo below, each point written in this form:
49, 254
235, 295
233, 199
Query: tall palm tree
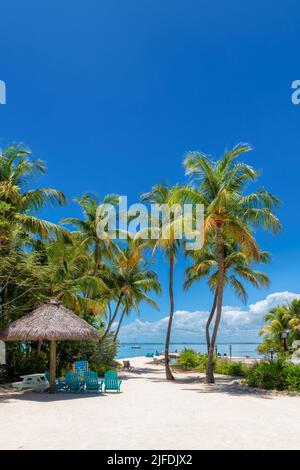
18, 202
236, 269
19, 205
229, 213
91, 207
167, 240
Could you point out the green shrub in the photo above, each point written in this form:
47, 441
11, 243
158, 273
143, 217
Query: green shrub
292, 377
230, 368
188, 359
203, 362
101, 369
97, 353
269, 375
22, 363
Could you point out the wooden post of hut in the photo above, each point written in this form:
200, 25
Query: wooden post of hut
52, 365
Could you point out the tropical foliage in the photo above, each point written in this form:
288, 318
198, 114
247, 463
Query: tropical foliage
41, 260
231, 216
283, 318
276, 374
105, 280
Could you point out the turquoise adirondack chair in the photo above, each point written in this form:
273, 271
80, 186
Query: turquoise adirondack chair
81, 368
73, 383
92, 383
111, 381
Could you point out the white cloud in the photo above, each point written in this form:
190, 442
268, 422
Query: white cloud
236, 323
272, 300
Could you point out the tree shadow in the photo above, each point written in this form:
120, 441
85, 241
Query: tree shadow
45, 397
144, 370
223, 384
233, 390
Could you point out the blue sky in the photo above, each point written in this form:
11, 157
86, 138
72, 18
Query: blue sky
112, 94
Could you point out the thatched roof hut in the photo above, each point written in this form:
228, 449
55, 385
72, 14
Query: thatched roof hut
50, 322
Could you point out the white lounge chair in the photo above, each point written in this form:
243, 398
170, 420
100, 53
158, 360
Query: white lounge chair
37, 382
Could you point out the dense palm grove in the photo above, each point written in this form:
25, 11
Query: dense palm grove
104, 280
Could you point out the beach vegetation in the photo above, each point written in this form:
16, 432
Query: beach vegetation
283, 318
189, 359
170, 245
230, 215
25, 362
104, 280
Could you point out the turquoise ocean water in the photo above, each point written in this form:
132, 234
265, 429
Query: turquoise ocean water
238, 349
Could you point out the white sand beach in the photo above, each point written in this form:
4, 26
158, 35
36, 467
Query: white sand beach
151, 413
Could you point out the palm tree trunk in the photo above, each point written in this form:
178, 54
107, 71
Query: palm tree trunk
109, 312
120, 323
169, 375
52, 365
3, 301
114, 316
209, 320
209, 370
97, 257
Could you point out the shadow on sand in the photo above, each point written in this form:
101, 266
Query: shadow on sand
44, 397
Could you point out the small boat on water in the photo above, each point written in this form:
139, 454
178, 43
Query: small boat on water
135, 345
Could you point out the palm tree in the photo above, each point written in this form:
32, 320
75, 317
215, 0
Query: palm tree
278, 320
229, 214
168, 242
138, 283
91, 207
18, 203
130, 280
294, 309
65, 273
236, 268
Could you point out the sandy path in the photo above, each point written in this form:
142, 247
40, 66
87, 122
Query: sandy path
152, 414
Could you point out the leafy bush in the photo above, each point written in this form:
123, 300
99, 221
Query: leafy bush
98, 353
269, 375
292, 377
231, 368
101, 369
188, 359
203, 362
22, 363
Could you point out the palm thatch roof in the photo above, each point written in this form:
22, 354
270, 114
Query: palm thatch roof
51, 321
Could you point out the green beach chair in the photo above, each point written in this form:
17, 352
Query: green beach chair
81, 368
111, 381
73, 383
92, 382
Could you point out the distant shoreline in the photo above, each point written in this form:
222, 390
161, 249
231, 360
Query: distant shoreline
186, 342
239, 349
